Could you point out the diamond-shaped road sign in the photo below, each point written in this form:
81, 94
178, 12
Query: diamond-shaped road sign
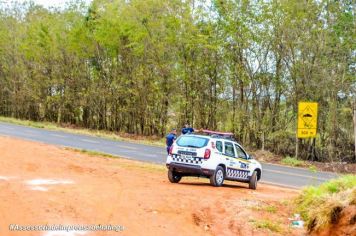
307, 119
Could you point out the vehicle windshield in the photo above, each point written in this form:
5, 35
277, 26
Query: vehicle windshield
192, 141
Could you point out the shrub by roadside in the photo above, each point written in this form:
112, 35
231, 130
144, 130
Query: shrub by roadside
290, 161
327, 206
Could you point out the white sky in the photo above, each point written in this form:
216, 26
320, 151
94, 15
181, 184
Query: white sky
45, 3
49, 3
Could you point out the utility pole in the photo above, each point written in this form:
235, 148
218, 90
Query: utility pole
296, 137
355, 125
296, 146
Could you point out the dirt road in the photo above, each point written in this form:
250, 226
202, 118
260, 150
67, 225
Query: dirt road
44, 185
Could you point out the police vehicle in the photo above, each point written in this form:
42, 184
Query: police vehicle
215, 155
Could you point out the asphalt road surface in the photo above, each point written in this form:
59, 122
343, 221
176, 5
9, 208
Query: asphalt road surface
272, 174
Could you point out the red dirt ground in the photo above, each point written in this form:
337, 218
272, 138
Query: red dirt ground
135, 195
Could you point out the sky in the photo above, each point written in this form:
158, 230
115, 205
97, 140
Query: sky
49, 3
46, 3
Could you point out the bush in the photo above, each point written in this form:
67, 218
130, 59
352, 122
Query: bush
290, 161
321, 206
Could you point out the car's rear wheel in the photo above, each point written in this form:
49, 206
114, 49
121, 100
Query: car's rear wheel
173, 176
253, 181
217, 179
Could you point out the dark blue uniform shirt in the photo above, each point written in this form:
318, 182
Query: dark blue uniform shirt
170, 139
187, 130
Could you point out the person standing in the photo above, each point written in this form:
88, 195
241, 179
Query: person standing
187, 129
170, 139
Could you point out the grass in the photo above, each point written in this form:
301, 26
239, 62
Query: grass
96, 133
91, 153
128, 164
267, 224
313, 169
291, 161
268, 208
144, 166
35, 124
321, 206
285, 202
271, 209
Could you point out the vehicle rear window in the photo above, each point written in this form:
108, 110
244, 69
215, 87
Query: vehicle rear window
192, 141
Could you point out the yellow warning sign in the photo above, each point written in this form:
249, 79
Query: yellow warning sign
307, 119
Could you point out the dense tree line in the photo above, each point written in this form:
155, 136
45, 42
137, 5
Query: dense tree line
145, 66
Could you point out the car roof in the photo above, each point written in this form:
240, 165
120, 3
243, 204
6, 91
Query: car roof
211, 138
195, 135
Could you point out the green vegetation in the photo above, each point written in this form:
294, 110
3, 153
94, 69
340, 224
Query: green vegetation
291, 161
91, 153
35, 124
271, 209
131, 164
97, 133
286, 202
320, 206
147, 167
267, 208
267, 224
312, 169
145, 66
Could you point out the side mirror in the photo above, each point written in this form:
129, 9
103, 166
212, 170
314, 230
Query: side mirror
250, 157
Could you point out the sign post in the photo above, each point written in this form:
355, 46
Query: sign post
307, 122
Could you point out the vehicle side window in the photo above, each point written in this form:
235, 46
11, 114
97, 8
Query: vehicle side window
219, 146
229, 149
240, 152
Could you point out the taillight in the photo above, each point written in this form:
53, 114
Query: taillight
207, 154
170, 150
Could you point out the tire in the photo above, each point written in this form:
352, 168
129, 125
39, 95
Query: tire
173, 177
217, 179
253, 181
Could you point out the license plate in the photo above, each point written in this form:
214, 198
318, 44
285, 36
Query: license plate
187, 157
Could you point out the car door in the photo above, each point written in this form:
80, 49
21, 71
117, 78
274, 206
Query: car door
231, 160
243, 162
219, 152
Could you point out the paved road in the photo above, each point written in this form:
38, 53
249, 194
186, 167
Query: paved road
274, 174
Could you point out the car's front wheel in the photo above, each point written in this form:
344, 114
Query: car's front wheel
173, 177
253, 181
217, 179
